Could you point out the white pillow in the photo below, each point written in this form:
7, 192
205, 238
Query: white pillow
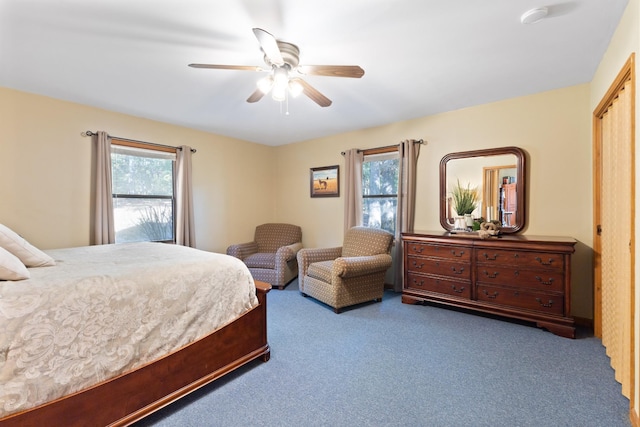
11, 268
26, 252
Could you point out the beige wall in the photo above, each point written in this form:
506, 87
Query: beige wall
45, 172
625, 41
552, 127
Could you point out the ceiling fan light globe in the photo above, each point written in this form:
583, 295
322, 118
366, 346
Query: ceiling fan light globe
279, 93
295, 88
265, 84
280, 77
280, 84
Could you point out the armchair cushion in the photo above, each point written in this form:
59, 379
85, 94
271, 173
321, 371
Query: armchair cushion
321, 270
261, 260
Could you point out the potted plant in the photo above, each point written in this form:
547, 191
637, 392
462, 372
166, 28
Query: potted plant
465, 201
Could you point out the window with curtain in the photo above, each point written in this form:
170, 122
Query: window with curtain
143, 187
380, 189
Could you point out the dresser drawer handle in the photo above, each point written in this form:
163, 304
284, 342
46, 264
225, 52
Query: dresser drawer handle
544, 263
418, 249
491, 276
457, 254
461, 290
549, 282
487, 257
550, 304
494, 295
417, 266
456, 271
418, 282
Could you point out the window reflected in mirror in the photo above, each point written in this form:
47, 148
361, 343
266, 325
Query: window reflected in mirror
499, 194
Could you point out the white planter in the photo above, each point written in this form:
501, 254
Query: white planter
460, 223
469, 220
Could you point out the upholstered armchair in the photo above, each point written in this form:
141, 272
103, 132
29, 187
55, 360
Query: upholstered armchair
271, 256
350, 274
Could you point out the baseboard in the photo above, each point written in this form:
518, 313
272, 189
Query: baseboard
584, 322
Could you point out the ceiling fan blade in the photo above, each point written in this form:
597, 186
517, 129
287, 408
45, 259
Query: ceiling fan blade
313, 93
256, 96
229, 67
332, 70
269, 46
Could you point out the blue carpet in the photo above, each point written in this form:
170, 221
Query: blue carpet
393, 364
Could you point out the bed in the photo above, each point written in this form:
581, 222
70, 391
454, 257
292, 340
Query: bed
111, 333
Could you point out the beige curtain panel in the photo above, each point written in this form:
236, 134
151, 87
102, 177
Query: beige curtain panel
185, 232
103, 224
353, 188
409, 151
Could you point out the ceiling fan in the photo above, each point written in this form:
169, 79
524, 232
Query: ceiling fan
282, 59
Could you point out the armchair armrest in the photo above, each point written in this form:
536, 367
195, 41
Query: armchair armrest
358, 266
242, 250
289, 252
307, 256
311, 255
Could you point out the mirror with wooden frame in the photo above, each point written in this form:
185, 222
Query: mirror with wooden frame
498, 177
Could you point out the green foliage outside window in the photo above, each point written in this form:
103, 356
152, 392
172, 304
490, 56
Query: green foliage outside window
380, 193
141, 175
143, 197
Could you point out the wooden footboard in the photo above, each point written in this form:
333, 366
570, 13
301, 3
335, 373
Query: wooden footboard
124, 399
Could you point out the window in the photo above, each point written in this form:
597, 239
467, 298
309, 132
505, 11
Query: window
143, 192
380, 189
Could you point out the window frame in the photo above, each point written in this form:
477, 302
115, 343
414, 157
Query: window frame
378, 151
151, 147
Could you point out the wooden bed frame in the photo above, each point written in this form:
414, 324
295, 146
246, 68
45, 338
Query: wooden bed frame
129, 397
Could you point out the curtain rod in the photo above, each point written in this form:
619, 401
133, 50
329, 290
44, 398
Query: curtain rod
91, 133
418, 141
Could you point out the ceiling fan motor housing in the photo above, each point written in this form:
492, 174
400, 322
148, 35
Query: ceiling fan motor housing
290, 54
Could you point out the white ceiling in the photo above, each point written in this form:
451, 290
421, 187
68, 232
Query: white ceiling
420, 57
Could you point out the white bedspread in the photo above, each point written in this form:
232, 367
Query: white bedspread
104, 310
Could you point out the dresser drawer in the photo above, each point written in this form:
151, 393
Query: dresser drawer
418, 282
441, 267
460, 253
550, 280
544, 260
530, 300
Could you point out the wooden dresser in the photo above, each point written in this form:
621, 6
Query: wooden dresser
522, 277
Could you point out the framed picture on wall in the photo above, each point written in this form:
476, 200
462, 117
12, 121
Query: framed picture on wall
325, 181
